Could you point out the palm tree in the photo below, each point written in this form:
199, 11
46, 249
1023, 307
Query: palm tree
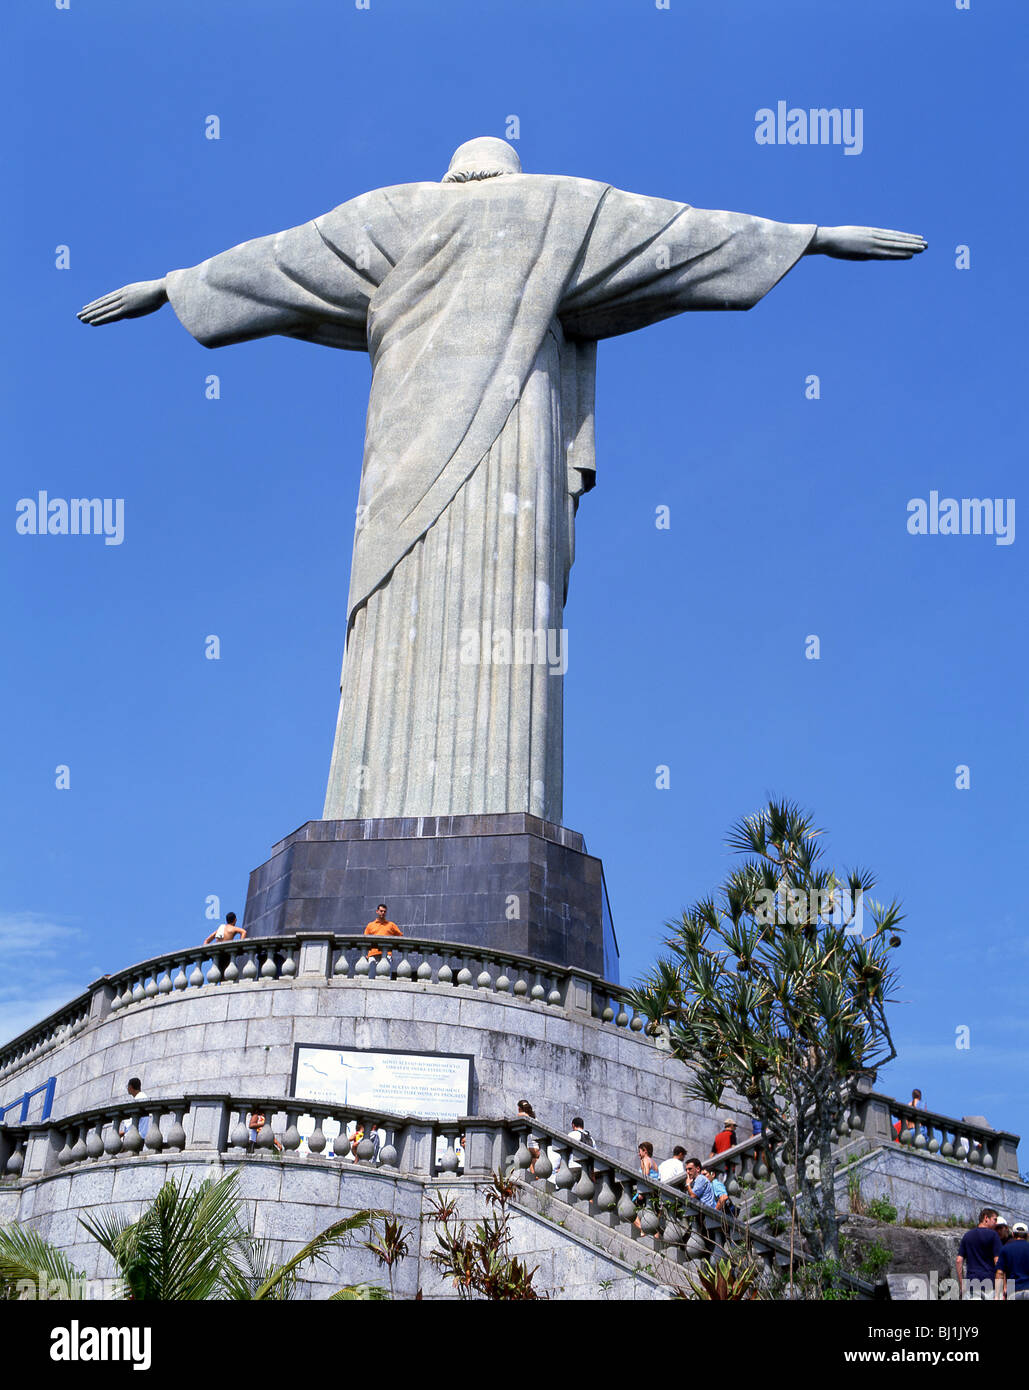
189, 1244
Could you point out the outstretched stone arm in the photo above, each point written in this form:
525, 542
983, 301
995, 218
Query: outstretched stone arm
865, 244
130, 302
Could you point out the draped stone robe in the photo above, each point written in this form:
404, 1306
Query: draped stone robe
480, 304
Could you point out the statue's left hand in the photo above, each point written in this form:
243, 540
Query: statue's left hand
130, 302
867, 244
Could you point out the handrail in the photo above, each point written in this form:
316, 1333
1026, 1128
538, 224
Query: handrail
111, 1133
48, 1087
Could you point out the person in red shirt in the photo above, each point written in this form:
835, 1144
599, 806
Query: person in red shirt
724, 1139
380, 926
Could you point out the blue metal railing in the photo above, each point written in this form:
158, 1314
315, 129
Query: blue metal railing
48, 1087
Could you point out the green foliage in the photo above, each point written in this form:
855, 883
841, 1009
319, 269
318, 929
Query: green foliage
881, 1209
854, 1197
823, 1281
776, 989
777, 1217
28, 1261
391, 1248
874, 1261
190, 1244
724, 1281
480, 1265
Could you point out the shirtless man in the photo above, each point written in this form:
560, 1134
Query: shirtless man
228, 931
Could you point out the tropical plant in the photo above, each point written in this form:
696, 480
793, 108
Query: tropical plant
882, 1209
190, 1244
391, 1248
481, 1265
722, 1281
777, 988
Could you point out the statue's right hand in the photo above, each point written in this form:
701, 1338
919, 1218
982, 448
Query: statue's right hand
130, 302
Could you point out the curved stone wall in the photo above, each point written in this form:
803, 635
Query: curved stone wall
239, 1037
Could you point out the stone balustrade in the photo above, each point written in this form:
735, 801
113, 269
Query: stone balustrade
660, 1216
335, 957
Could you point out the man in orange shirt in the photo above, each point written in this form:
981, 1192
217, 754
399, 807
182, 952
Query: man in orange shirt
381, 927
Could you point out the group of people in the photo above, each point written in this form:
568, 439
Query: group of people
993, 1259
702, 1181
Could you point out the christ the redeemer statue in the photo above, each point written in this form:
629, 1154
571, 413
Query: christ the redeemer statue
480, 300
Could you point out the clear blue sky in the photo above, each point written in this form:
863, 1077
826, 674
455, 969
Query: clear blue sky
788, 516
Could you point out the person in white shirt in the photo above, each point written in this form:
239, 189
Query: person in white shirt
580, 1135
672, 1167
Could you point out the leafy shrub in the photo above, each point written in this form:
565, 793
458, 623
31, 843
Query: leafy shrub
882, 1209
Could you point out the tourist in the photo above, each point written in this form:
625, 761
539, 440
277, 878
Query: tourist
673, 1167
142, 1121
1003, 1230
381, 926
647, 1165
917, 1103
526, 1112
723, 1202
978, 1253
578, 1135
725, 1138
228, 931
1013, 1264
257, 1122
697, 1185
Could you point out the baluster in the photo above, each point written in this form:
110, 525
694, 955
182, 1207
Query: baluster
363, 966
626, 1208
554, 997
503, 984
79, 1150
65, 1155
94, 1142
164, 984
196, 976
484, 980
564, 1177
316, 1143
176, 1132
132, 1140
240, 1136
464, 976
231, 972
341, 969
388, 1153
424, 971
214, 974
621, 1018
289, 965
291, 1137
269, 970
249, 971
405, 970
585, 1187
366, 1147
154, 1138
150, 989
112, 1143
138, 992
637, 1022
341, 1143
606, 1199
180, 982
521, 985
383, 966
16, 1160
444, 975
537, 991
607, 1013
448, 1159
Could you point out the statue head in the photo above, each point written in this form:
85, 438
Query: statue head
485, 157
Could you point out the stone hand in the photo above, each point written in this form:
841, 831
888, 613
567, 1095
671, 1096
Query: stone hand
130, 302
867, 244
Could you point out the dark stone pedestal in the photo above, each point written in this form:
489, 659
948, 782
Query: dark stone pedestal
510, 882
